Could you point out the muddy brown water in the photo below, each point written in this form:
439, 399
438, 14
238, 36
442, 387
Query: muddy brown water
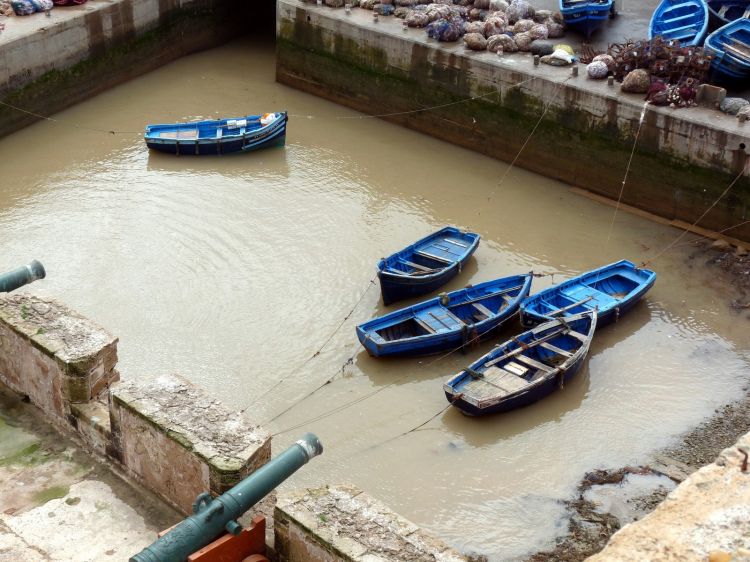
235, 270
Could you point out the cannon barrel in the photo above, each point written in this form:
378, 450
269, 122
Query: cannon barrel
212, 516
21, 276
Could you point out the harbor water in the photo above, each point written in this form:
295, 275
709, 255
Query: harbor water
240, 273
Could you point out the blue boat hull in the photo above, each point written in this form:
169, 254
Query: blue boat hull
730, 65
426, 265
526, 399
622, 286
451, 321
585, 17
478, 391
722, 12
685, 21
205, 140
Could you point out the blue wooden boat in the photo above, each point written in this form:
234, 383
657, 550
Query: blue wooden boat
525, 368
586, 16
426, 265
446, 322
730, 47
241, 134
610, 290
685, 21
721, 12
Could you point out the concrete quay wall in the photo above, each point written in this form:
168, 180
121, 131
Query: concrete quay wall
50, 63
684, 158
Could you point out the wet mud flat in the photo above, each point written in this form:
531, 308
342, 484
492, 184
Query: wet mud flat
638, 490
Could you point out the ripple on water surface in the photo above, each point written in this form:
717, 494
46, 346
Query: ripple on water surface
234, 271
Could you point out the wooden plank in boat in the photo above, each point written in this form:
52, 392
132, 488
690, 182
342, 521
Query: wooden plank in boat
577, 335
483, 309
453, 317
426, 326
455, 242
417, 266
555, 349
533, 363
191, 134
516, 368
495, 382
433, 256
565, 308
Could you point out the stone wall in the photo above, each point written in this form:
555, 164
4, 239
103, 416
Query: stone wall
174, 438
49, 64
53, 355
584, 130
708, 515
344, 524
167, 434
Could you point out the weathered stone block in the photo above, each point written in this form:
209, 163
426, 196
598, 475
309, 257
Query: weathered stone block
52, 354
709, 511
342, 523
175, 439
91, 423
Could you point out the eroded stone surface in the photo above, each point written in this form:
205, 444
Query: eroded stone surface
709, 511
343, 523
71, 528
180, 441
52, 354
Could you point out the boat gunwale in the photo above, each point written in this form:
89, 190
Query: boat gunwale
510, 344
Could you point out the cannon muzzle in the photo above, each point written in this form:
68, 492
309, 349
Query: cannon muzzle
212, 516
21, 276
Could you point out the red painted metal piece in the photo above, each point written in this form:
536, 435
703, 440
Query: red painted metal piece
231, 548
248, 546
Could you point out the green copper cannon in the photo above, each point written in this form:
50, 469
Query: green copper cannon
212, 516
21, 276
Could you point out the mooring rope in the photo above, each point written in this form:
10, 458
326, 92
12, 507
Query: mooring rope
528, 138
74, 125
627, 171
320, 349
700, 218
346, 405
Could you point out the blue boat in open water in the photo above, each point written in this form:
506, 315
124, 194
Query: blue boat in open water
610, 290
586, 16
525, 368
685, 21
450, 321
426, 265
730, 47
241, 134
721, 12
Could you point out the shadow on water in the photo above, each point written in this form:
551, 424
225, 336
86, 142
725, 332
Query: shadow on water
270, 163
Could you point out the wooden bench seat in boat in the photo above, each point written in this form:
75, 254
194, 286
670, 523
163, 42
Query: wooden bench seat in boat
417, 266
496, 381
455, 243
555, 349
189, 134
483, 309
433, 257
533, 363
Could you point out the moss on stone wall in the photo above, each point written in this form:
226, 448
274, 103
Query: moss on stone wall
587, 152
180, 31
